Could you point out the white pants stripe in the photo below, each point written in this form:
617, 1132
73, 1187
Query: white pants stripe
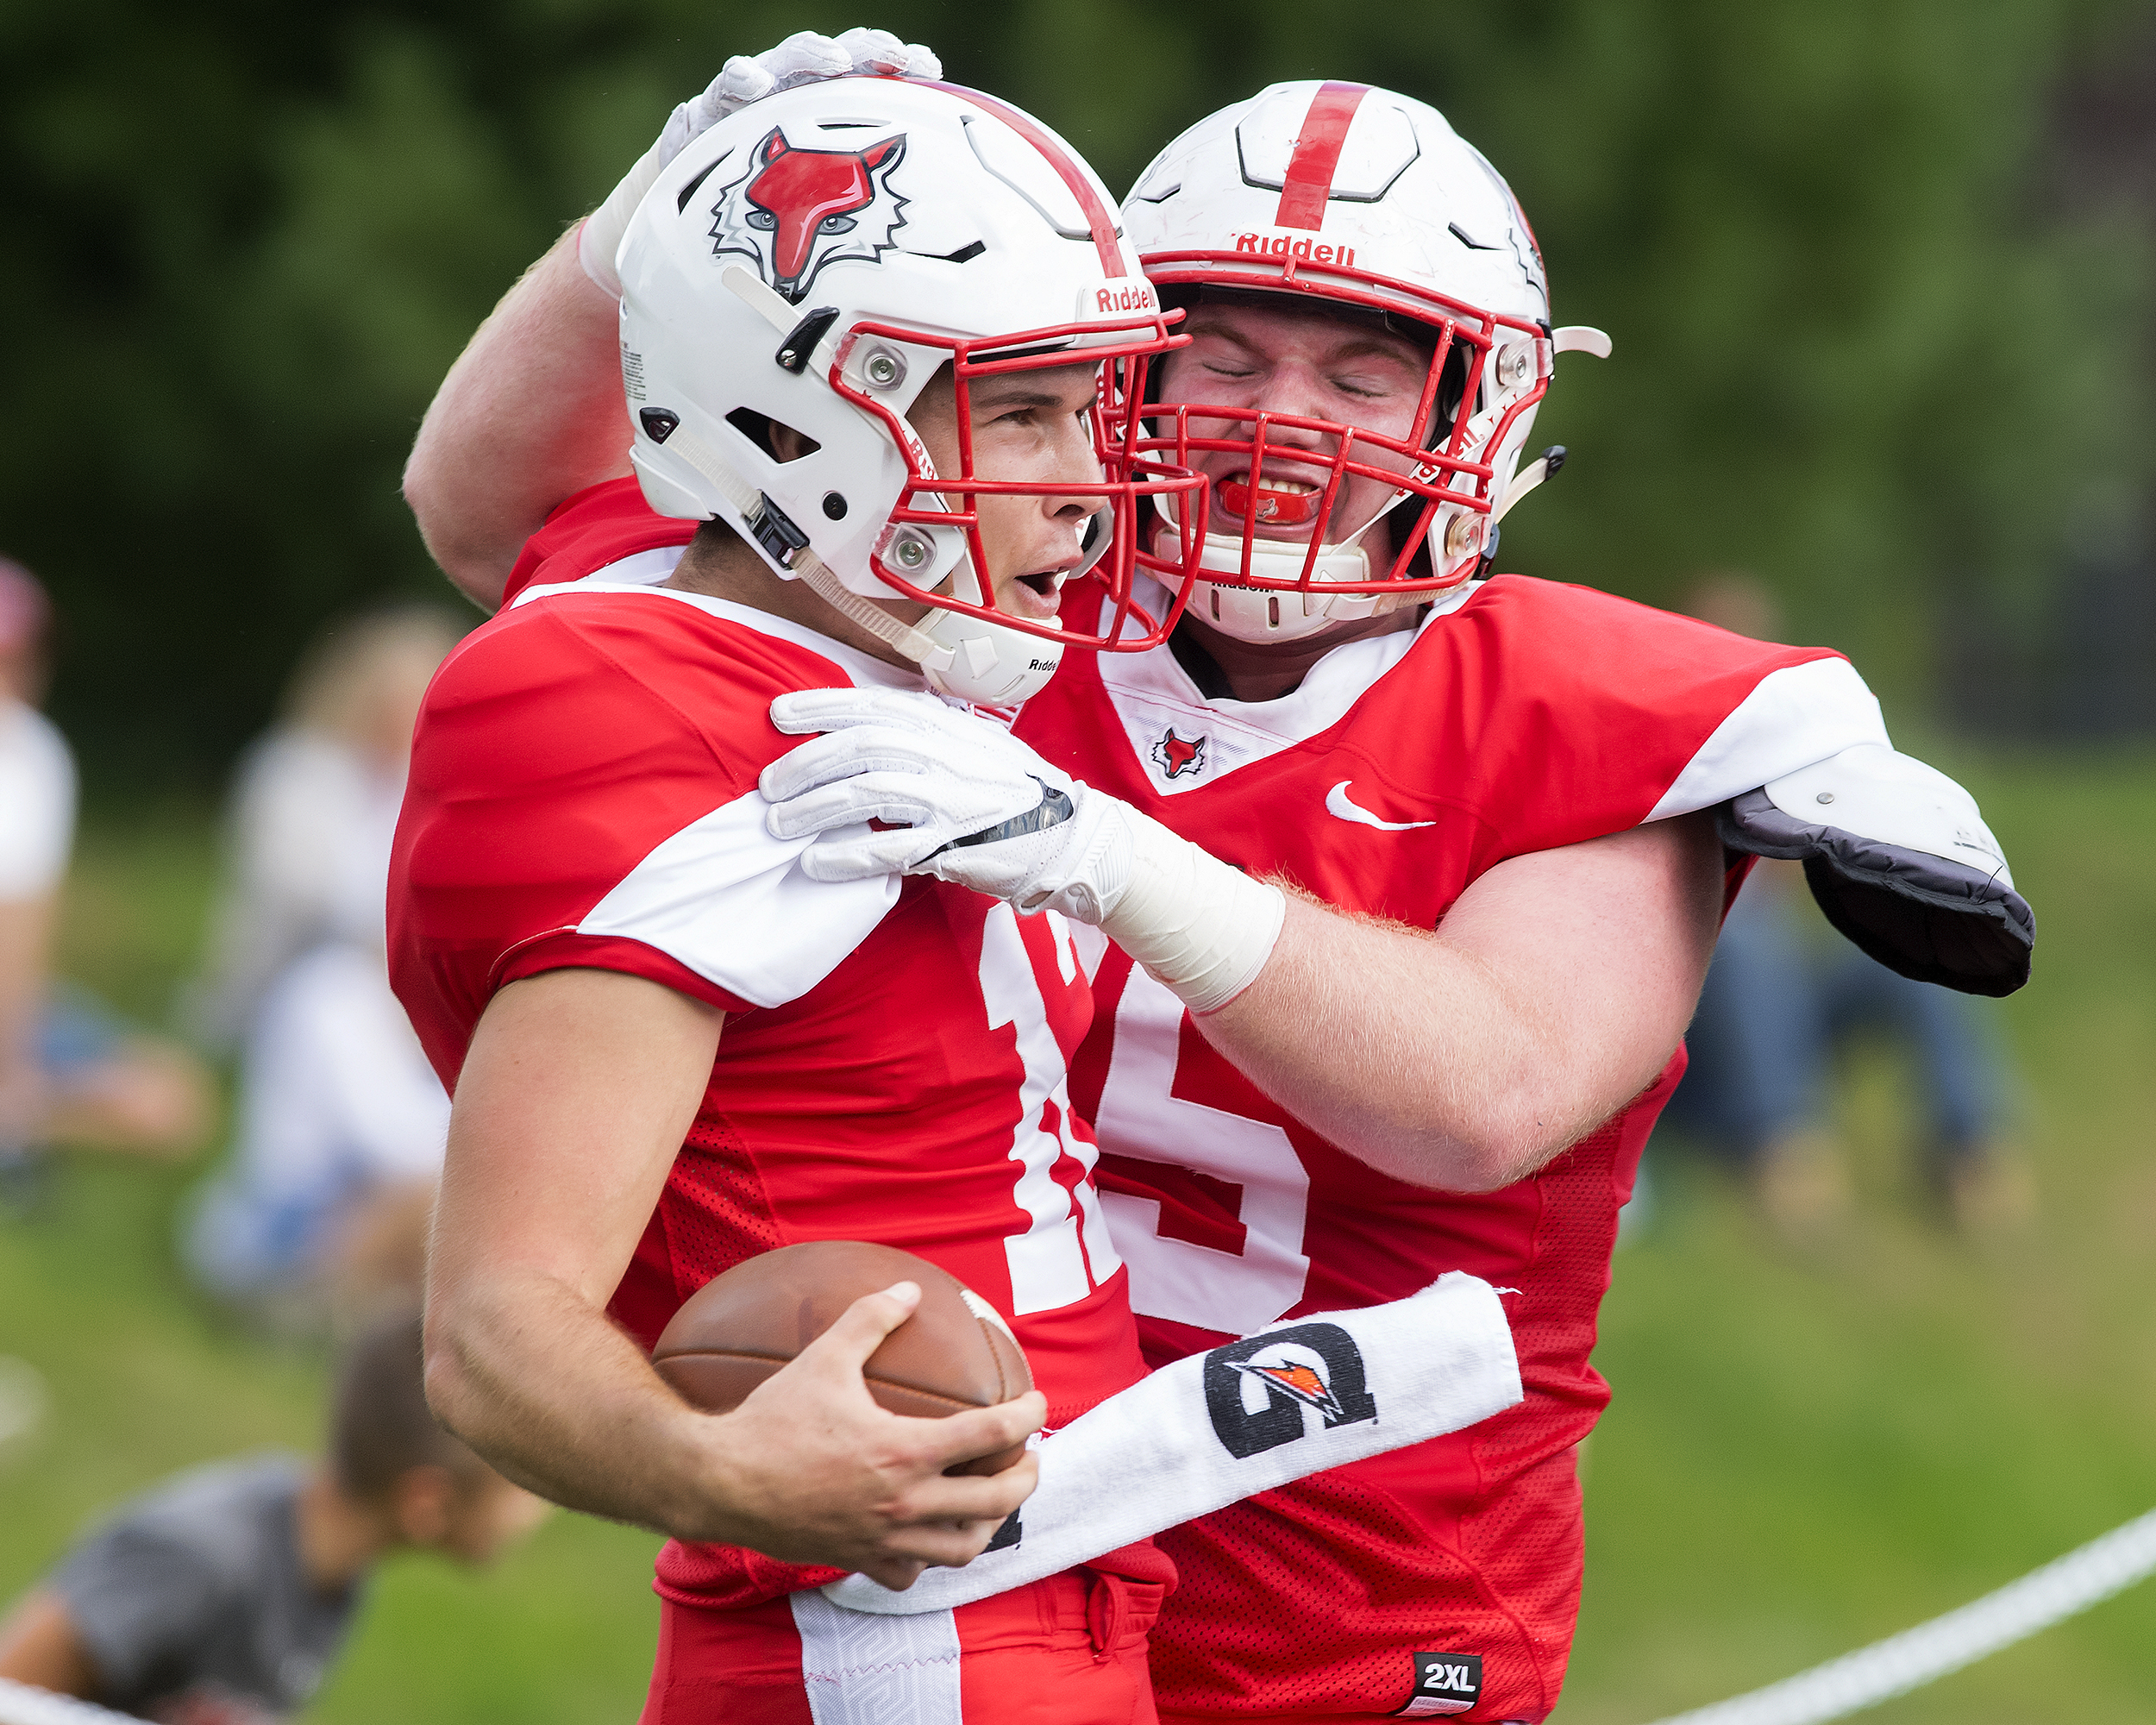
866, 1668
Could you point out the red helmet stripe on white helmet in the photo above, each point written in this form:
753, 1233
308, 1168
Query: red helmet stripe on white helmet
1309, 182
1089, 204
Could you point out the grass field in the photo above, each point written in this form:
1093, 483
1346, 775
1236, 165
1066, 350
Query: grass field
1802, 1456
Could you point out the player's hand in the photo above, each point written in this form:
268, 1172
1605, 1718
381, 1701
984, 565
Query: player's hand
802, 58
815, 1473
965, 801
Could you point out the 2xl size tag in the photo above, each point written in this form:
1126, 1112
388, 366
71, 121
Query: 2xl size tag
1445, 1683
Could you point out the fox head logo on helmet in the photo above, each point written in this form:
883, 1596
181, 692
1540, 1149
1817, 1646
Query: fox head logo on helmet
796, 211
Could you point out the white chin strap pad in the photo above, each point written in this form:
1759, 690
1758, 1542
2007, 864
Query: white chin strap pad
1260, 614
988, 663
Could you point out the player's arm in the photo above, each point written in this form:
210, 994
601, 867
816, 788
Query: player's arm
1556, 988
531, 412
575, 1096
40, 1645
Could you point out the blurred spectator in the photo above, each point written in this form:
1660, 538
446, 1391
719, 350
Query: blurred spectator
1777, 1003
222, 1596
323, 1204
37, 818
313, 807
70, 1072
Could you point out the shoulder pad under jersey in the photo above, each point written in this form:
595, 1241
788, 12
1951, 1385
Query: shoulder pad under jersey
1901, 862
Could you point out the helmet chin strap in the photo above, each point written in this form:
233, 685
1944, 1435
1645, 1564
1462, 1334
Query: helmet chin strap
915, 644
1261, 614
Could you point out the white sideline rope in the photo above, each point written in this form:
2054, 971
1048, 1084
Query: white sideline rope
22, 1704
2083, 1578
1915, 1657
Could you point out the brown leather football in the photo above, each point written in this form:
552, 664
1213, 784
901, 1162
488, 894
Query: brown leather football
739, 1328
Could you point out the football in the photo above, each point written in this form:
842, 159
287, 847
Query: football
954, 1353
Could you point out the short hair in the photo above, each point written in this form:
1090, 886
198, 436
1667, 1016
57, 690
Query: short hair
25, 611
329, 688
382, 1428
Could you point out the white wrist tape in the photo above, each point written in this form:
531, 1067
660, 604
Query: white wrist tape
1202, 927
1295, 1399
600, 237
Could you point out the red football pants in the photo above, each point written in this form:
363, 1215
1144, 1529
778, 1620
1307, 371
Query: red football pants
1066, 1650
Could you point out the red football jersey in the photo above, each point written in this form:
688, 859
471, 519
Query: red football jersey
1521, 715
583, 793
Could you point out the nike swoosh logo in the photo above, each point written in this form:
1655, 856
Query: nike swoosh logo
1337, 803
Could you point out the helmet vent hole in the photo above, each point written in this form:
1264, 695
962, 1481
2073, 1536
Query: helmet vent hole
779, 442
681, 204
833, 505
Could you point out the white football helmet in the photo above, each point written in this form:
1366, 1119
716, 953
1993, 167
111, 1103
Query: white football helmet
811, 260
1355, 201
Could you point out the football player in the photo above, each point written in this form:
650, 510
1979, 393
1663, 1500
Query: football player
1504, 817
669, 1050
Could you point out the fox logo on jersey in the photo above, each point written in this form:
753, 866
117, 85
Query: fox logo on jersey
796, 211
1177, 756
1282, 1373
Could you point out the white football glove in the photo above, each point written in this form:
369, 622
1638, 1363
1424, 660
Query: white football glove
973, 805
967, 801
802, 58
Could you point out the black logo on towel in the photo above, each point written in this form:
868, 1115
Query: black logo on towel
1312, 1365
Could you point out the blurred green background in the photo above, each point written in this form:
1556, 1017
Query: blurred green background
1879, 273
1881, 278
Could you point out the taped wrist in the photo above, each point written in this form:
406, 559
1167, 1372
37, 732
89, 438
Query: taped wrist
1201, 926
600, 237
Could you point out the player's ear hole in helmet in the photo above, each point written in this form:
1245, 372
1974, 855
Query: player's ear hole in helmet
784, 443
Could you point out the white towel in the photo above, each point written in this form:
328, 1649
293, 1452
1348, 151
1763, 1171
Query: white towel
1292, 1400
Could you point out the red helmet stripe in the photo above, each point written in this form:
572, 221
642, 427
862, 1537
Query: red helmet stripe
1089, 203
1309, 182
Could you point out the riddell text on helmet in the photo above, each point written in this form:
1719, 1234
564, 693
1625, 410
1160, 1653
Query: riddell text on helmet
1119, 297
1302, 250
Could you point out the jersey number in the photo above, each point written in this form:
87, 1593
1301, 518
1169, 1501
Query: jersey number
1066, 1237
1141, 1118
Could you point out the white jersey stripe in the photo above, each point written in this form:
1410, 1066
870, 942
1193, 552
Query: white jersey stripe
730, 901
1797, 717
